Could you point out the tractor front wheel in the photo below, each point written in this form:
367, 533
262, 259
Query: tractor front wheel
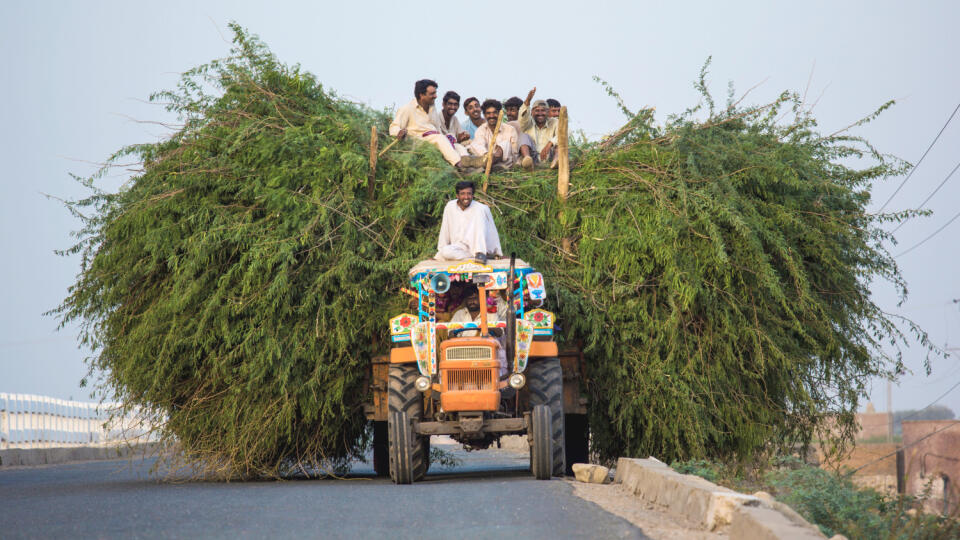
545, 380
409, 452
541, 447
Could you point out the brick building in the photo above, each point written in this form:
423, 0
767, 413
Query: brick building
876, 465
875, 426
932, 458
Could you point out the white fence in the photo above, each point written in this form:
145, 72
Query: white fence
29, 421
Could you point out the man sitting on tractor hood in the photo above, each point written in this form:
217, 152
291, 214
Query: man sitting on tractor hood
467, 229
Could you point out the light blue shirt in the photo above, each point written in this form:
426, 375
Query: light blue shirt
467, 125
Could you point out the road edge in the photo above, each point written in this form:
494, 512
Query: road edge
35, 457
712, 506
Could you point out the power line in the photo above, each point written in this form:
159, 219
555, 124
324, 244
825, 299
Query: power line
914, 443
931, 404
930, 196
921, 158
951, 389
920, 243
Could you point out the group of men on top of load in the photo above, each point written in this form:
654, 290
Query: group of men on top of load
528, 136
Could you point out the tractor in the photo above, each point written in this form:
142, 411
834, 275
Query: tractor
476, 380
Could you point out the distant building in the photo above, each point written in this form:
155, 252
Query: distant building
932, 459
873, 454
875, 426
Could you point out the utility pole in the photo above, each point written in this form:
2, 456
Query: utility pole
889, 411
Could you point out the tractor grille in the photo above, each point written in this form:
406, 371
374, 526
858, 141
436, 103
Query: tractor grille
469, 353
461, 380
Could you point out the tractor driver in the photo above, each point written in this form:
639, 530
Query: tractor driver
470, 312
467, 229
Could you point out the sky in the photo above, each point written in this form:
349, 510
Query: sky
76, 78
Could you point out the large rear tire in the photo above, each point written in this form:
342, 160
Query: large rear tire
541, 450
409, 452
381, 449
545, 379
576, 430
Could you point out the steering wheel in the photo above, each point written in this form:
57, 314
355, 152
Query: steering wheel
496, 332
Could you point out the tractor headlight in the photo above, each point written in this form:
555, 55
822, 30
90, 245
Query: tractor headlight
517, 380
422, 383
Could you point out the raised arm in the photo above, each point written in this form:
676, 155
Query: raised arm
530, 96
524, 116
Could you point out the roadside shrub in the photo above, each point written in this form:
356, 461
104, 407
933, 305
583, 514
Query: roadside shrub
830, 500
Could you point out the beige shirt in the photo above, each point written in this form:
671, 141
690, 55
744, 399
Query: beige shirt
540, 136
508, 139
453, 128
415, 120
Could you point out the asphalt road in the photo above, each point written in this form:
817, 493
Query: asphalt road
490, 494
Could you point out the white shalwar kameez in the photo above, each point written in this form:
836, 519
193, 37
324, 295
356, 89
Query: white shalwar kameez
426, 126
464, 233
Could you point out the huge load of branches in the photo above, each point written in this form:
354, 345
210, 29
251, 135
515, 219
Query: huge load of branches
715, 272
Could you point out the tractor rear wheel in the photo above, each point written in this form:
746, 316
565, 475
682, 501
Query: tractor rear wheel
541, 448
545, 380
577, 432
409, 452
381, 452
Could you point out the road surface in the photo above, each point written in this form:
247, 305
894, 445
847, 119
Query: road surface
488, 495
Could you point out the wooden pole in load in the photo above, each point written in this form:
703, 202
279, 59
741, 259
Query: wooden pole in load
563, 157
373, 161
493, 144
563, 167
389, 146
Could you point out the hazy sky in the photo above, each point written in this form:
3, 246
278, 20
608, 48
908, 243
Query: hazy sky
75, 77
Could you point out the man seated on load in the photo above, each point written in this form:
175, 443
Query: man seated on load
451, 125
554, 108
511, 112
507, 150
474, 116
467, 229
536, 123
420, 119
471, 312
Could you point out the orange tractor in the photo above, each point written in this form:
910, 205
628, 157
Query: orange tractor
508, 378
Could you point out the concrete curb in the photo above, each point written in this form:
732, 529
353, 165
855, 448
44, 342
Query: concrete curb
30, 457
712, 506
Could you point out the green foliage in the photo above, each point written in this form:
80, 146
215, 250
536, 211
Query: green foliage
830, 500
720, 283
445, 459
717, 277
234, 288
699, 467
836, 505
